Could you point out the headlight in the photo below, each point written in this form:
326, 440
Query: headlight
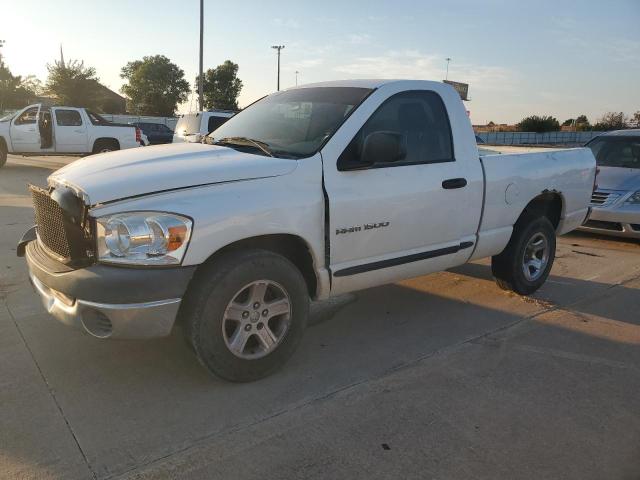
143, 238
634, 199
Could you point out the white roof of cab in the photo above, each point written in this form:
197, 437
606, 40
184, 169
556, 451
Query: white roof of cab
362, 83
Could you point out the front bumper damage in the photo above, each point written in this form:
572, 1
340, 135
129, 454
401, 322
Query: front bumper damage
108, 301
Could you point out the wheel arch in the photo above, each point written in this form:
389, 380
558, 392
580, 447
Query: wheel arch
103, 140
293, 247
549, 204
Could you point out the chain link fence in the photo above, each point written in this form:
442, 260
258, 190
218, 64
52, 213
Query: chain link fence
533, 138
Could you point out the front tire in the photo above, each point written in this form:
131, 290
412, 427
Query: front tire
524, 265
245, 314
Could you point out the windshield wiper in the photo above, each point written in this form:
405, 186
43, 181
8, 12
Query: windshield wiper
244, 141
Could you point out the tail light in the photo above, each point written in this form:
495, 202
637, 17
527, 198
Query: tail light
138, 134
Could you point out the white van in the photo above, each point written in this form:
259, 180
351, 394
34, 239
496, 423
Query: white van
191, 127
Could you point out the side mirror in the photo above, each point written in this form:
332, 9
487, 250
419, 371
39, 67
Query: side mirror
378, 147
382, 147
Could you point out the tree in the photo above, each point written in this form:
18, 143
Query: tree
568, 122
636, 118
611, 121
538, 124
221, 86
156, 86
16, 92
72, 84
582, 119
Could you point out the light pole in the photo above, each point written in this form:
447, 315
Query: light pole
297, 72
200, 79
278, 47
446, 77
1, 45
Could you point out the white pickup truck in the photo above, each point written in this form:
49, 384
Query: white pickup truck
42, 130
310, 192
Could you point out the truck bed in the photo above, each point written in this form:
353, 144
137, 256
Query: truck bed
511, 180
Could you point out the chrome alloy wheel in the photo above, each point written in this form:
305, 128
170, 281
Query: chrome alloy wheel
256, 319
536, 257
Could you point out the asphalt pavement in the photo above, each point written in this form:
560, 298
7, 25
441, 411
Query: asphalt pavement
440, 377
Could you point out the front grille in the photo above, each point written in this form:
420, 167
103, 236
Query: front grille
63, 226
602, 199
50, 223
613, 226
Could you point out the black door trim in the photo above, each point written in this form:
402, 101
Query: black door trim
394, 262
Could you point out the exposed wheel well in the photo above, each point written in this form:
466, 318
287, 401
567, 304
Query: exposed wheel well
547, 204
292, 247
105, 141
3, 144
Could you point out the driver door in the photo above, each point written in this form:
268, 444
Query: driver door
406, 216
25, 136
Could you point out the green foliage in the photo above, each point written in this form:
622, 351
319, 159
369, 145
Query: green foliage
72, 84
538, 124
155, 86
582, 119
568, 122
611, 121
16, 92
221, 86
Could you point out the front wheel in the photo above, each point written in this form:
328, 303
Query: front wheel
526, 262
245, 314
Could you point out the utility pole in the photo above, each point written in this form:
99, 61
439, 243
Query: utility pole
446, 77
297, 72
278, 48
1, 45
200, 76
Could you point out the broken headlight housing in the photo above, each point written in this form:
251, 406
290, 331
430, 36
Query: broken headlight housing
142, 238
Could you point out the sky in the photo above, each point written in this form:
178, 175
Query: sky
560, 58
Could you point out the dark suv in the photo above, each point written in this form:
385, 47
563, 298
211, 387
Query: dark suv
157, 133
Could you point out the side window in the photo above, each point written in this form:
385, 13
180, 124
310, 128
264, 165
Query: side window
215, 122
68, 118
27, 117
414, 124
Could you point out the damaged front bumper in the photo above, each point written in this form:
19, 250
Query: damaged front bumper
108, 301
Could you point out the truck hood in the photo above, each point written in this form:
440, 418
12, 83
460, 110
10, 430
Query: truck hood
138, 171
616, 178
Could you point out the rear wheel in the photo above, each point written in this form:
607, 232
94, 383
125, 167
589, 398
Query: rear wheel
106, 145
526, 262
245, 314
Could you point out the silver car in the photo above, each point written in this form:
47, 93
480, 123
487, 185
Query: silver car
616, 200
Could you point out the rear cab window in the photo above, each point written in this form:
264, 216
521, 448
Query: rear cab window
215, 122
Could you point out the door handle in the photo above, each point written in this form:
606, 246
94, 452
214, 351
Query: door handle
454, 183
79, 131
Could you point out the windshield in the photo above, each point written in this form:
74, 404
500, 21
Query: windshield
294, 123
612, 151
8, 117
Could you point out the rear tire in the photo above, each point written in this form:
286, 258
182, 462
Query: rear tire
105, 145
524, 265
227, 318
